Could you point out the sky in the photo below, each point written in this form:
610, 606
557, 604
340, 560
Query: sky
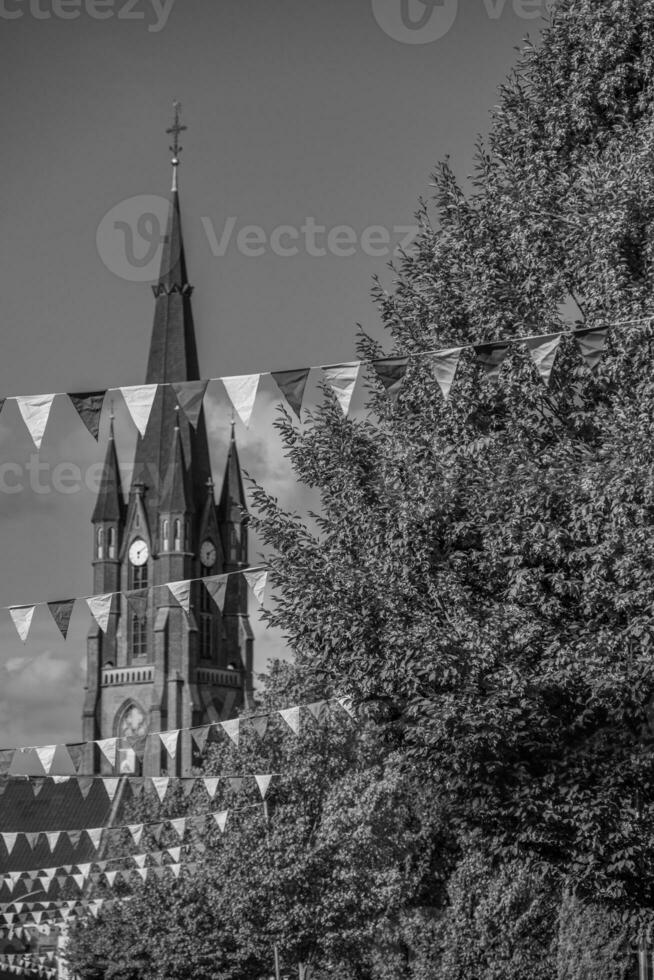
313, 128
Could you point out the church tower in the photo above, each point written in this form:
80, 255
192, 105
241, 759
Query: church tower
155, 668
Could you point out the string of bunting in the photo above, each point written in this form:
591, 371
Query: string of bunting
340, 378
67, 757
101, 836
30, 964
101, 606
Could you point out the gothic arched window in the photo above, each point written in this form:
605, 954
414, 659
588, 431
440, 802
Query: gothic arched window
99, 550
111, 543
165, 535
139, 635
178, 535
138, 576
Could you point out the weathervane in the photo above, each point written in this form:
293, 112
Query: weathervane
175, 130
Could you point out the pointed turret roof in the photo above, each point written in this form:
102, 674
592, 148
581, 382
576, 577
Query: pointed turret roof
232, 497
110, 504
176, 495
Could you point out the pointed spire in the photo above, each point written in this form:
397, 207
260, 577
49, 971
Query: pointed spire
233, 502
110, 505
176, 149
176, 497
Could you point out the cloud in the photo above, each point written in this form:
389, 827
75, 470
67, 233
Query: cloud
40, 700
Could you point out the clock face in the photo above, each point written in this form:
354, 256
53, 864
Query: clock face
208, 554
138, 552
133, 724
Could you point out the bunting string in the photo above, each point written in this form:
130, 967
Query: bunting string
342, 378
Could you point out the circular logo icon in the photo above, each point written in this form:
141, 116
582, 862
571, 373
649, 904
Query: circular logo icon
415, 21
131, 236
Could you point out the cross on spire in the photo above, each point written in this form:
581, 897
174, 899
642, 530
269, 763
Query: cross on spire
175, 130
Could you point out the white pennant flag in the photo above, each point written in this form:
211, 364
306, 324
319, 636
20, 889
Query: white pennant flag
263, 782
84, 869
53, 839
46, 754
179, 826
221, 819
211, 785
242, 391
169, 741
9, 841
175, 853
136, 830
111, 877
95, 833
543, 351
342, 379
79, 881
143, 873
35, 410
346, 705
445, 363
108, 747
160, 784
100, 608
216, 586
257, 582
139, 400
175, 868
111, 784
292, 718
139, 859
231, 728
181, 591
22, 617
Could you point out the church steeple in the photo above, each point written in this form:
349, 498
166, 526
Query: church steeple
110, 505
232, 509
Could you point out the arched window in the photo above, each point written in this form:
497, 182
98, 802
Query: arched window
111, 543
138, 576
137, 519
139, 635
100, 543
178, 535
165, 535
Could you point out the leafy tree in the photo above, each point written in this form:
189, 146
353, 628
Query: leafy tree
482, 567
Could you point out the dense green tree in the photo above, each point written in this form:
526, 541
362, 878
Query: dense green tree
483, 567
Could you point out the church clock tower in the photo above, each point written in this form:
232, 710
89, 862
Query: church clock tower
155, 668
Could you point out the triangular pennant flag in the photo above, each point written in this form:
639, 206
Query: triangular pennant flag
79, 881
169, 741
444, 364
139, 860
175, 868
188, 785
74, 836
189, 398
22, 617
292, 385
242, 392
88, 405
216, 586
9, 841
591, 342
61, 613
6, 758
37, 786
108, 747
32, 839
155, 830
181, 591
292, 718
136, 830
46, 754
211, 785
175, 853
85, 783
318, 709
346, 705
200, 736
391, 371
179, 826
543, 351
259, 724
111, 786
95, 835
231, 728
143, 872
137, 601
221, 819
235, 783
76, 753
490, 357
139, 400
100, 608
257, 583
35, 410
263, 782
160, 785
342, 379
84, 869
111, 877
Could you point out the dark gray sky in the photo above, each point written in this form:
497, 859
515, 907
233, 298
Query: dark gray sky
331, 112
